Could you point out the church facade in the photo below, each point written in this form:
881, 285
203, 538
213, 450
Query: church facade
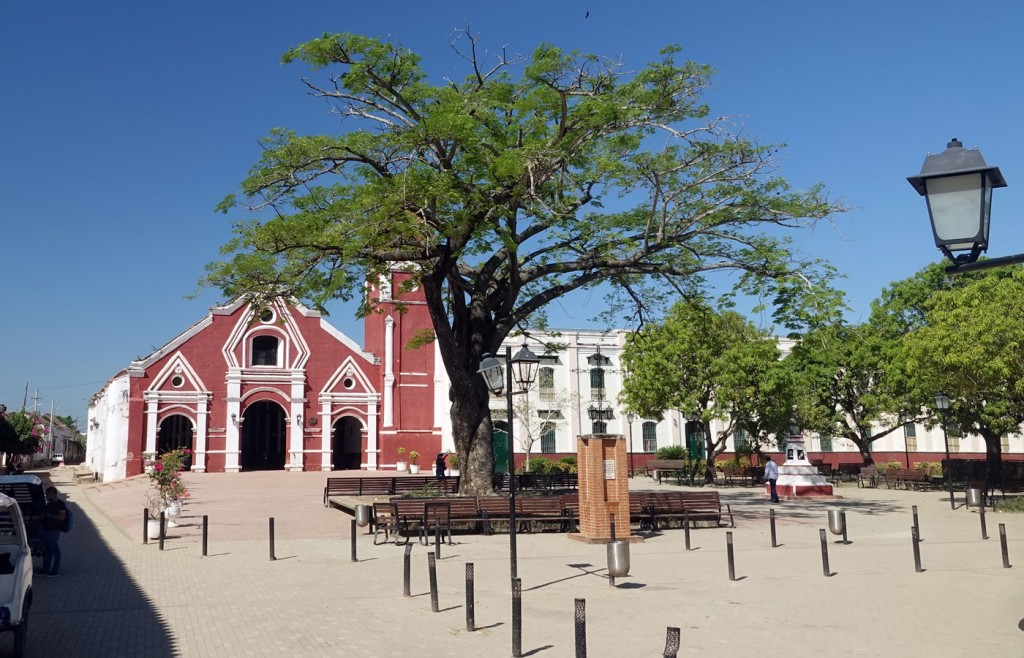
275, 388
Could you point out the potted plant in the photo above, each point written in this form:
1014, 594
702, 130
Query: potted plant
400, 465
168, 492
414, 468
453, 465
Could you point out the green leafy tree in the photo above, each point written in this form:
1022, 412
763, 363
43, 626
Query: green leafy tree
525, 180
969, 345
21, 433
710, 365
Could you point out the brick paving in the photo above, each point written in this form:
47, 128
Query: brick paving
118, 597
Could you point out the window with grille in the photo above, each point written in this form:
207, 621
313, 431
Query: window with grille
1004, 443
910, 433
597, 384
599, 427
650, 434
547, 438
264, 351
546, 383
740, 439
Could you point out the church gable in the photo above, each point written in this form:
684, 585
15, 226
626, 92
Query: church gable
349, 379
177, 375
270, 339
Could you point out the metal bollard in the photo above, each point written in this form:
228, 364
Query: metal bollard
728, 550
1002, 542
271, 528
842, 519
163, 524
470, 599
981, 515
671, 642
437, 538
686, 528
432, 569
145, 525
407, 571
771, 519
916, 539
517, 618
206, 532
353, 541
824, 554
580, 618
916, 524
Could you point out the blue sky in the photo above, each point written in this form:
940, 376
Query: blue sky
124, 123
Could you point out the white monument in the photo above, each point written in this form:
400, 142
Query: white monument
798, 478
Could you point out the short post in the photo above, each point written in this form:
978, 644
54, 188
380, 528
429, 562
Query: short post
432, 568
580, 618
1002, 543
671, 642
470, 599
206, 532
145, 525
842, 519
517, 618
437, 538
916, 538
916, 524
163, 524
353, 541
612, 524
686, 528
771, 519
271, 528
407, 571
728, 550
824, 554
981, 515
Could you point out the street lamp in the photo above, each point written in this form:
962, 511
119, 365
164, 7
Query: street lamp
942, 404
523, 368
629, 423
957, 185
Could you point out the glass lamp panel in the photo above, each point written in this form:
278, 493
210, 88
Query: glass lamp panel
954, 204
493, 373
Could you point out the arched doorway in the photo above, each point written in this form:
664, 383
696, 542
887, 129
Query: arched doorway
175, 432
263, 437
347, 444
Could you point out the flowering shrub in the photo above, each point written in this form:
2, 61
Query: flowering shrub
24, 432
166, 479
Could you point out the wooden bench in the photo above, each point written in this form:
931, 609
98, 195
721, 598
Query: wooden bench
639, 513
492, 508
539, 510
868, 476
846, 472
705, 506
742, 475
913, 478
675, 467
358, 486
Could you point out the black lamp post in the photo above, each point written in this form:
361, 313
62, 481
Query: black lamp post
629, 424
523, 368
957, 185
942, 404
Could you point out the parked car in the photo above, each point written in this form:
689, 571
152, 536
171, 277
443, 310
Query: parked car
15, 573
56, 457
27, 491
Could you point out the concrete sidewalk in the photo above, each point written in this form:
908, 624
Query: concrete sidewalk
118, 597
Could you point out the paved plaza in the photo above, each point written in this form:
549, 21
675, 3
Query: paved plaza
118, 597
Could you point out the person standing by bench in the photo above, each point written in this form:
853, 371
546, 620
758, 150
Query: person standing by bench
771, 473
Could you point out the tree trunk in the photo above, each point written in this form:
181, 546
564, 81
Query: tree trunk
993, 461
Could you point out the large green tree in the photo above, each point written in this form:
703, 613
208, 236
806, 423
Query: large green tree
710, 365
969, 345
506, 189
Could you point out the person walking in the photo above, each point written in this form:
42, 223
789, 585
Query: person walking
771, 473
54, 515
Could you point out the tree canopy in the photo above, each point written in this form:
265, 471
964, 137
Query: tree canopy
710, 365
525, 180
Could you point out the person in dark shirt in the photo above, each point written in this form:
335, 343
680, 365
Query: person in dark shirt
54, 515
439, 465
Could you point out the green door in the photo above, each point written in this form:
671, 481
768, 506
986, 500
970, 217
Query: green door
500, 444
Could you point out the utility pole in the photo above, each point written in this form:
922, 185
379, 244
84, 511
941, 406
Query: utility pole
35, 402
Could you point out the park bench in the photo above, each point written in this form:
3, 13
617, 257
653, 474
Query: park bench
869, 477
742, 475
571, 508
358, 486
668, 467
492, 508
437, 517
693, 506
913, 478
639, 513
846, 472
539, 510
386, 520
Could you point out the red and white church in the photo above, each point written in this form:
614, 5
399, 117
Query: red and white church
277, 388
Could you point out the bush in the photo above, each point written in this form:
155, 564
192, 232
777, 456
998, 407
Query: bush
542, 466
1014, 504
889, 467
567, 464
671, 452
933, 469
736, 461
453, 461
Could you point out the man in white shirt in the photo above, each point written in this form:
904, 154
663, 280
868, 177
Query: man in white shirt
771, 473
